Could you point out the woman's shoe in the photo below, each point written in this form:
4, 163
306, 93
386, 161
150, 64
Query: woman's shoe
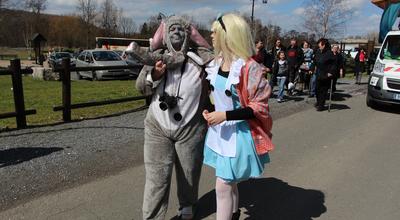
236, 215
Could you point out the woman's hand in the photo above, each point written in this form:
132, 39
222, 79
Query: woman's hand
158, 71
214, 118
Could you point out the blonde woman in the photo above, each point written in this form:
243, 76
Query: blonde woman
239, 134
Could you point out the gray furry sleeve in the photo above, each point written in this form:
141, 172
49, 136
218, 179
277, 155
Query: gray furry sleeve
142, 84
240, 114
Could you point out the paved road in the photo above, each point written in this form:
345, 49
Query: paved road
40, 161
338, 165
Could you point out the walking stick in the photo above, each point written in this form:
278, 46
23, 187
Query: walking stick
310, 85
330, 96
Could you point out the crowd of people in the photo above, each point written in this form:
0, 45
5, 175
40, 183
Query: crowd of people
297, 69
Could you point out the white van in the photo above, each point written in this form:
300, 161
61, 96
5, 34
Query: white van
384, 82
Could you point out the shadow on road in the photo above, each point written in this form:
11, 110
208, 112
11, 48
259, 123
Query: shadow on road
338, 107
294, 98
15, 156
272, 199
340, 96
394, 109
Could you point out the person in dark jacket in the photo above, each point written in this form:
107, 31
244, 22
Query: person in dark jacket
262, 56
339, 66
325, 63
266, 59
277, 48
359, 61
281, 73
295, 59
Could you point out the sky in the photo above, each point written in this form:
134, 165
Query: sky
285, 13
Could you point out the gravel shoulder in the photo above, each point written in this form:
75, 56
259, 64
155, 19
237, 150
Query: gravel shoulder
40, 161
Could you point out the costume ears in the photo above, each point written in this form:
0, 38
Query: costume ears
157, 41
196, 37
158, 38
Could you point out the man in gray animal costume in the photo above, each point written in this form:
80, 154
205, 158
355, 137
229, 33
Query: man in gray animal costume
174, 127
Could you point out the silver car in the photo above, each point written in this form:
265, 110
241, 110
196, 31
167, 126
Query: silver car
96, 58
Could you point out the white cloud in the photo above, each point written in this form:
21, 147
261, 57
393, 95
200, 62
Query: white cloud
205, 10
299, 11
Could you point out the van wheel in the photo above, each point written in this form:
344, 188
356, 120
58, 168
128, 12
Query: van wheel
94, 76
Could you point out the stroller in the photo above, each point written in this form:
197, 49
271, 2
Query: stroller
303, 78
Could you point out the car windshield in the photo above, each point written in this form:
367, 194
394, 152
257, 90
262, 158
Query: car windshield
105, 56
63, 55
119, 52
391, 48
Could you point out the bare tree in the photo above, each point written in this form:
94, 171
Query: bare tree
34, 20
3, 4
87, 14
36, 6
373, 36
326, 18
127, 26
109, 17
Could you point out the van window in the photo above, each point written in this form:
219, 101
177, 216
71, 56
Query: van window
391, 48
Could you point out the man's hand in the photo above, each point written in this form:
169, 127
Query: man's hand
265, 70
158, 71
330, 75
341, 73
214, 118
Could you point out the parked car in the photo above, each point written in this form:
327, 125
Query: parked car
100, 57
132, 62
55, 59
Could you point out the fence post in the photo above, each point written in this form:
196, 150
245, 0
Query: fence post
18, 93
65, 75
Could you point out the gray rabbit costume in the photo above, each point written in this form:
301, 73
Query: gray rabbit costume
171, 140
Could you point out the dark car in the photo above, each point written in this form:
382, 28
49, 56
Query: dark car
55, 59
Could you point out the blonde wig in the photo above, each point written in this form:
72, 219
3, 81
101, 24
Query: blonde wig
233, 38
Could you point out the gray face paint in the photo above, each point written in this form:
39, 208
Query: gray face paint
177, 36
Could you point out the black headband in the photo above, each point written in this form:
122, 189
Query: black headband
221, 22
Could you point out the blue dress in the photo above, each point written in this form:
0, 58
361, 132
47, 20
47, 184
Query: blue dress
246, 163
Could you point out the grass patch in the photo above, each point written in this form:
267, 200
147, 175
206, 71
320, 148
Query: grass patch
44, 95
22, 53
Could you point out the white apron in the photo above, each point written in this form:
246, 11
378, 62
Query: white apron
221, 138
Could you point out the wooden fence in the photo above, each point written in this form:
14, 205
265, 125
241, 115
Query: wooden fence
18, 92
65, 75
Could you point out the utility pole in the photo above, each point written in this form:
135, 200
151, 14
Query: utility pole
252, 13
